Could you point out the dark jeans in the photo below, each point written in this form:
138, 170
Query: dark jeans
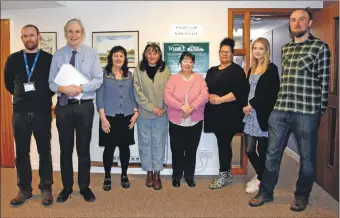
257, 160
75, 119
225, 152
184, 142
304, 127
24, 124
124, 155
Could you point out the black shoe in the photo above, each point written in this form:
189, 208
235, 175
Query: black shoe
124, 182
64, 194
88, 194
191, 182
299, 203
176, 183
259, 200
107, 184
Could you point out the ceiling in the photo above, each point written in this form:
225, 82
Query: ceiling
17, 5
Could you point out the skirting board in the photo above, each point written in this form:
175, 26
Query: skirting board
117, 170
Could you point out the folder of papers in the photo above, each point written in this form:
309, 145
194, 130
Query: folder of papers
69, 75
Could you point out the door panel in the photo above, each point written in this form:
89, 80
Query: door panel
7, 142
325, 26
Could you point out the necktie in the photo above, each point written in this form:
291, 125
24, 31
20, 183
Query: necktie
63, 100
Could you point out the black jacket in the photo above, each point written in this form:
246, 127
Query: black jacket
265, 96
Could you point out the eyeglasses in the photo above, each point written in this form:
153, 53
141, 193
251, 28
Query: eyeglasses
187, 62
225, 52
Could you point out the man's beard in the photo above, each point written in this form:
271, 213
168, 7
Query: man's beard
31, 46
299, 33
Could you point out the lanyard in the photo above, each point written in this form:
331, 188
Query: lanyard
29, 73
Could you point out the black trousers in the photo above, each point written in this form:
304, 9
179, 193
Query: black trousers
184, 142
257, 160
75, 119
24, 124
225, 153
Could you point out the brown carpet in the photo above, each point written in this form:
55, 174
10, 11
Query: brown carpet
139, 201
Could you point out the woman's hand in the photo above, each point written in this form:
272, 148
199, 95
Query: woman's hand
161, 112
133, 120
247, 110
187, 109
105, 125
215, 99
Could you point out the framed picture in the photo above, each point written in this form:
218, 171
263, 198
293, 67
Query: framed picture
104, 41
48, 42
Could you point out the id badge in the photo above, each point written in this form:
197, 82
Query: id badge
29, 87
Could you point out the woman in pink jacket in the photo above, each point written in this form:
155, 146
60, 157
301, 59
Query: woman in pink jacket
186, 94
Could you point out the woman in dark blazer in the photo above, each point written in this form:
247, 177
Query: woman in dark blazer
228, 91
264, 84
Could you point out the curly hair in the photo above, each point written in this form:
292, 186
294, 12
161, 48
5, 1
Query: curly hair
109, 64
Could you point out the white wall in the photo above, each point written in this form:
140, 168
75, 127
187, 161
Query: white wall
153, 20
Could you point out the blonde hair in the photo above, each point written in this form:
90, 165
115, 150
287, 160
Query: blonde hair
75, 20
266, 61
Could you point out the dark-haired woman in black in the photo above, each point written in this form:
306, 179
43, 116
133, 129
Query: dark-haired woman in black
228, 91
118, 113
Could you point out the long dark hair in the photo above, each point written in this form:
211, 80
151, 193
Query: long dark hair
109, 65
160, 63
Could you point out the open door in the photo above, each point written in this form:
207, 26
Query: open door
326, 27
7, 142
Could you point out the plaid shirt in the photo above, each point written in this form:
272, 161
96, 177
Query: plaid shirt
305, 77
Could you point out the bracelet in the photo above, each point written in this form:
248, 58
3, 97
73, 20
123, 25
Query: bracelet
135, 112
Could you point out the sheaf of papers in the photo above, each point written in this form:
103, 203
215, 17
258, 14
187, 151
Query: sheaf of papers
69, 75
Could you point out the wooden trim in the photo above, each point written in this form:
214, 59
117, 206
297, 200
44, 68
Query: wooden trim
7, 141
239, 52
230, 23
246, 40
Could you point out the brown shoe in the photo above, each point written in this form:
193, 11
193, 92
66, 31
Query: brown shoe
21, 197
46, 197
299, 203
149, 182
259, 200
157, 183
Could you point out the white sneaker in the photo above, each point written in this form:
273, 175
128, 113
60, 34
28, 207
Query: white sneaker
253, 187
252, 180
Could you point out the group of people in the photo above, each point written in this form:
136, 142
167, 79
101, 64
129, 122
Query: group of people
226, 102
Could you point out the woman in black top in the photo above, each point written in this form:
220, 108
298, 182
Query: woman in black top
228, 91
264, 85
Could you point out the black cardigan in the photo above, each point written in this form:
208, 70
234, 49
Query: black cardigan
265, 96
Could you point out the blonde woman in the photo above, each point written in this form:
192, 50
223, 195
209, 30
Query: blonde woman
264, 84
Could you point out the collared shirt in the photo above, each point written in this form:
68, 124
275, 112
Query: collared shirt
305, 77
86, 61
116, 96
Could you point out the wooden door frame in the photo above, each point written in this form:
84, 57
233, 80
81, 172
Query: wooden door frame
246, 12
7, 141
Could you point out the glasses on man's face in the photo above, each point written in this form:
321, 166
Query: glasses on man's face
225, 52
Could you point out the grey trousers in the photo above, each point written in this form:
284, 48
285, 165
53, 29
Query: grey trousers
152, 138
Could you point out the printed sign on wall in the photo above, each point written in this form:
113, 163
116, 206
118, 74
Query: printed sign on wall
173, 51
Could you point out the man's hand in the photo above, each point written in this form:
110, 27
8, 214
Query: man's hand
70, 90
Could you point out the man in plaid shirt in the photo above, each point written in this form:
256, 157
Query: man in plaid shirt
302, 100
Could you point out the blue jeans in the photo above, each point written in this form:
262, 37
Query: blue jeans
152, 140
304, 127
